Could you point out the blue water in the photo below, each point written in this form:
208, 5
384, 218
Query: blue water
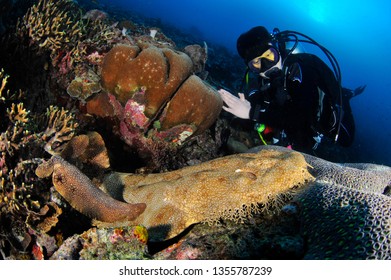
356, 32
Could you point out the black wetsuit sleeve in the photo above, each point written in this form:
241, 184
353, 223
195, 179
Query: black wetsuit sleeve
326, 80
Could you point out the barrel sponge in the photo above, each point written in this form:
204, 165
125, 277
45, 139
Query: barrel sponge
195, 102
344, 223
230, 188
126, 69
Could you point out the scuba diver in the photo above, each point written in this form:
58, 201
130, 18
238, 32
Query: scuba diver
299, 97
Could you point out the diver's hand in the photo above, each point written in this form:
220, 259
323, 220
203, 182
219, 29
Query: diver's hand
239, 107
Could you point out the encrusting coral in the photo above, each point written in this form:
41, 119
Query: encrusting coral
345, 223
346, 213
84, 86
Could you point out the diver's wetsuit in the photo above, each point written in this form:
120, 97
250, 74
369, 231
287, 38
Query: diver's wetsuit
300, 100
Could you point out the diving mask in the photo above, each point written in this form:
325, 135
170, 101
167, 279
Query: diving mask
265, 61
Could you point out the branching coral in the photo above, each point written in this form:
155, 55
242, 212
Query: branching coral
27, 212
4, 79
50, 25
5, 94
60, 129
101, 34
17, 114
58, 27
18, 117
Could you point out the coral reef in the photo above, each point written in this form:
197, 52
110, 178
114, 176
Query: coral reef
199, 56
151, 92
345, 223
50, 25
81, 52
336, 216
27, 212
125, 243
77, 72
87, 50
346, 213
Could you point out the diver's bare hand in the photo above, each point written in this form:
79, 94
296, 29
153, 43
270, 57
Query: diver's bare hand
239, 107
